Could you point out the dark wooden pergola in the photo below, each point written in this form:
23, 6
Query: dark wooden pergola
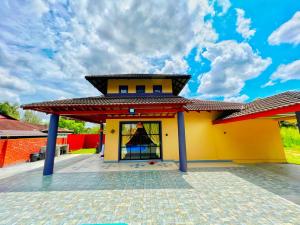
99, 109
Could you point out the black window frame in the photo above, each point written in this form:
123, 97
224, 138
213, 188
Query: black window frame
155, 88
138, 88
123, 87
136, 122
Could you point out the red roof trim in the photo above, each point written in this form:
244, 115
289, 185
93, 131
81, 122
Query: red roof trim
271, 112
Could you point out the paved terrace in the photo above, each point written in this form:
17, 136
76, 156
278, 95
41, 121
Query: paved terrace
86, 190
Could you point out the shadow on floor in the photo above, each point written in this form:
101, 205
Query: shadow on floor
121, 180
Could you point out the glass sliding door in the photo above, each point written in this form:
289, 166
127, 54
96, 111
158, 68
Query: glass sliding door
140, 140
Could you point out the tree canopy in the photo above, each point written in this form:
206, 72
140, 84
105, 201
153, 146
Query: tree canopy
31, 117
77, 126
10, 109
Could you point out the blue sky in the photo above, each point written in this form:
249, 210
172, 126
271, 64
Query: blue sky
235, 50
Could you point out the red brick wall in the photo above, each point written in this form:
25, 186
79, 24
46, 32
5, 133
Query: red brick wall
19, 150
3, 144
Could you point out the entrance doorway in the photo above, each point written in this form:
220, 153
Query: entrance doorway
140, 140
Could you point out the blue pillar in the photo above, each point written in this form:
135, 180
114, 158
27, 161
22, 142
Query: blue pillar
100, 138
181, 139
298, 120
51, 145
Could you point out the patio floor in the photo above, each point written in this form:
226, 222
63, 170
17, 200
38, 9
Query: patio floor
85, 190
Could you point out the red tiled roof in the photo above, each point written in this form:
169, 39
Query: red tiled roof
10, 124
203, 105
110, 101
2, 116
44, 128
286, 99
21, 133
279, 101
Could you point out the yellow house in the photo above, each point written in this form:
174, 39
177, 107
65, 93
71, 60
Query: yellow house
146, 119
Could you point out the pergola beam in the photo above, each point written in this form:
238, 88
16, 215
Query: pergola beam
116, 112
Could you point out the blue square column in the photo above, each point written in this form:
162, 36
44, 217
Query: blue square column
100, 138
298, 119
51, 145
181, 139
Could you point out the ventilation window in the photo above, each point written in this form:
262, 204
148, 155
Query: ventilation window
140, 89
157, 89
123, 89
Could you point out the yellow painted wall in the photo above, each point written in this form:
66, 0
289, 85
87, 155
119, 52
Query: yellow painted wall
113, 85
244, 141
255, 140
200, 140
169, 143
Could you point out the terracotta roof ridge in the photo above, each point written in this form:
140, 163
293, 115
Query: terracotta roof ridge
217, 101
61, 100
293, 94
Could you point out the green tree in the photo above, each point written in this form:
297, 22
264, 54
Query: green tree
93, 130
77, 126
9, 109
31, 117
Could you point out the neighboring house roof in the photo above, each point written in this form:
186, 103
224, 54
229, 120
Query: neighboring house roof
12, 124
272, 105
109, 101
100, 81
3, 116
44, 128
203, 105
10, 127
21, 133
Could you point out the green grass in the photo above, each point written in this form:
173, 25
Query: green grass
84, 151
291, 142
290, 137
292, 155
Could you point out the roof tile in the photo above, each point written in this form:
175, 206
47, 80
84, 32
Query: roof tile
285, 99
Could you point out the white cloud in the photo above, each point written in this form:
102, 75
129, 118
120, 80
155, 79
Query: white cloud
268, 84
240, 98
285, 72
225, 4
174, 65
243, 25
53, 44
11, 85
9, 96
232, 64
12, 82
39, 7
186, 91
289, 32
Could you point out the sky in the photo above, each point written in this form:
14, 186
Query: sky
235, 50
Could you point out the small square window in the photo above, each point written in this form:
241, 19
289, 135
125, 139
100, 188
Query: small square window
140, 89
157, 89
123, 89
